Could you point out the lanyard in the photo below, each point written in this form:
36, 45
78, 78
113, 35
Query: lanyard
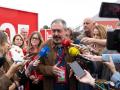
60, 55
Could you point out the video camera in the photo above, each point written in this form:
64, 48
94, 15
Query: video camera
111, 10
113, 40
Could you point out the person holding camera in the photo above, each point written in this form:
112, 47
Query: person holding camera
7, 67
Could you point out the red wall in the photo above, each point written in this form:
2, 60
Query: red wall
13, 20
46, 34
108, 23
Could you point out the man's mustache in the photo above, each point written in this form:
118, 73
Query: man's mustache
56, 37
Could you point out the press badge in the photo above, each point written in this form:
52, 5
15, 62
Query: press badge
61, 78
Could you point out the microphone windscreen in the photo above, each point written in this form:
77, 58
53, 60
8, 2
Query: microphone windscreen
66, 42
73, 51
43, 52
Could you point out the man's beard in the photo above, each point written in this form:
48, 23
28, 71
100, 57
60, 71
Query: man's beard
57, 40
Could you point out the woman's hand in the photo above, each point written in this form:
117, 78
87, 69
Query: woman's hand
34, 79
13, 68
93, 57
111, 65
87, 40
88, 79
14, 85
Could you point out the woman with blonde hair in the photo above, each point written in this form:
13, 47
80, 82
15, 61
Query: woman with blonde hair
99, 32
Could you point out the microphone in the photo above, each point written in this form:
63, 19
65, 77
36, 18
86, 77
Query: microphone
84, 62
42, 53
67, 43
73, 51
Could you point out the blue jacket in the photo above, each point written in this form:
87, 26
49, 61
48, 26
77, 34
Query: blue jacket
115, 57
116, 79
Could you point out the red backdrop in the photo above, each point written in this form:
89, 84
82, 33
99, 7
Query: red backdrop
109, 23
46, 34
13, 21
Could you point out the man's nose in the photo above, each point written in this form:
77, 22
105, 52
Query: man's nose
85, 25
56, 33
95, 36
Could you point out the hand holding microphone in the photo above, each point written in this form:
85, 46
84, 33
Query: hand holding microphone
84, 62
74, 52
67, 43
42, 53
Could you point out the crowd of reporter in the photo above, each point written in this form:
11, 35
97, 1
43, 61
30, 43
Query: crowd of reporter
103, 56
17, 72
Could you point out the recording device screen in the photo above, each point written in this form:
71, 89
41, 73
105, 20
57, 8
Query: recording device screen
110, 10
77, 69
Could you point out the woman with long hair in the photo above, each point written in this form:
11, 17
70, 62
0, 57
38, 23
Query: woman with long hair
35, 79
7, 67
99, 32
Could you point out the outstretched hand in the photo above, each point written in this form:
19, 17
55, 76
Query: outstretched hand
111, 65
12, 70
88, 79
93, 57
87, 40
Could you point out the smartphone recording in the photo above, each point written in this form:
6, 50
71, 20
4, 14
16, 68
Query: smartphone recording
77, 69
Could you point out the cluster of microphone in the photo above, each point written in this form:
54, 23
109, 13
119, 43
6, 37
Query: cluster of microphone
73, 50
42, 53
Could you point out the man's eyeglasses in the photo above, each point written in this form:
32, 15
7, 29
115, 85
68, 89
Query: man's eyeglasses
35, 38
56, 30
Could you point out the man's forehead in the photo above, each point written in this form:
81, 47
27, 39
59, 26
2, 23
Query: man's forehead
57, 26
88, 20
